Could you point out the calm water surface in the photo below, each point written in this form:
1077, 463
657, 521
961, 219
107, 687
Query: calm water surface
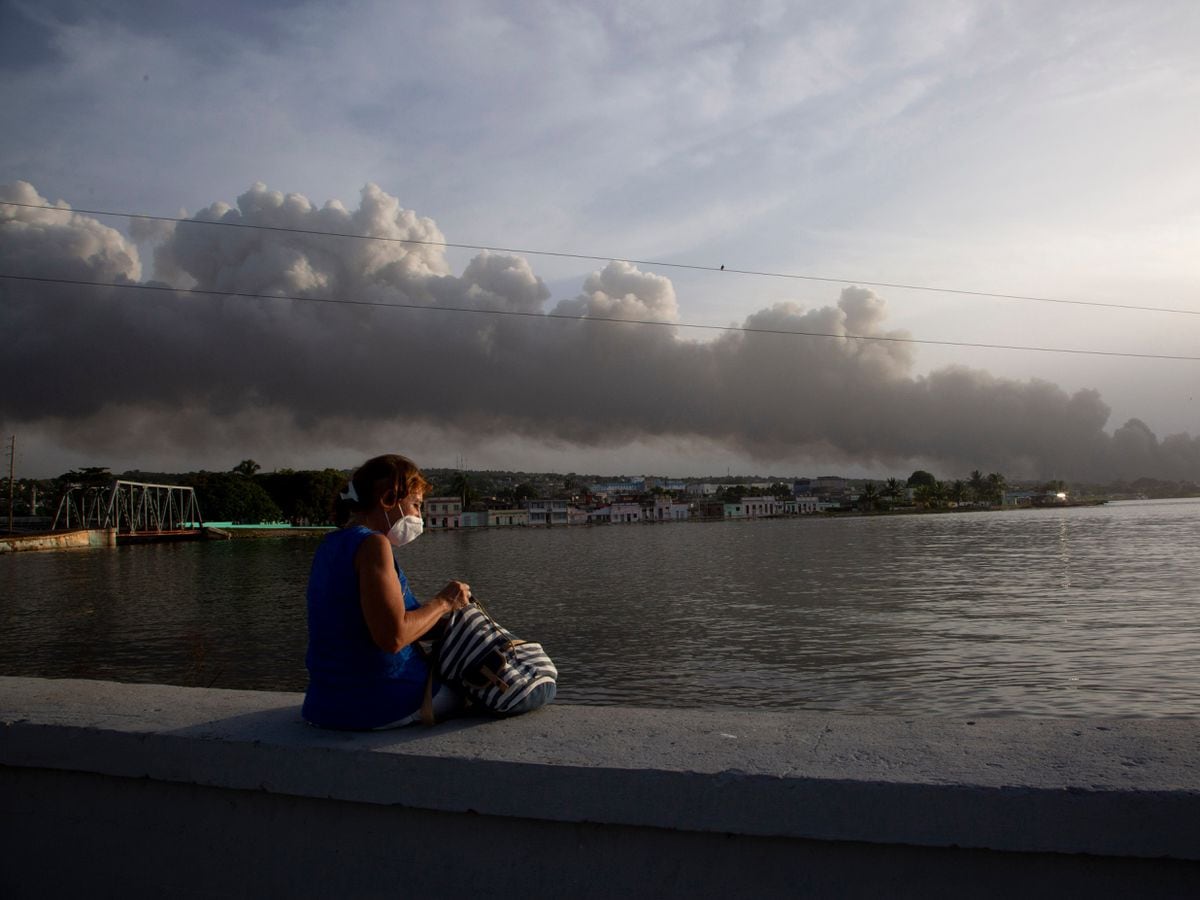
1087, 611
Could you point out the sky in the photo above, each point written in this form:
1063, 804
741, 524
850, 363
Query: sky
1021, 148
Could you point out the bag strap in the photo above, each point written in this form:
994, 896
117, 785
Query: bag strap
487, 615
427, 717
430, 654
431, 657
482, 608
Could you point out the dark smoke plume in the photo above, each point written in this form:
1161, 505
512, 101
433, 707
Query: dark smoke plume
104, 367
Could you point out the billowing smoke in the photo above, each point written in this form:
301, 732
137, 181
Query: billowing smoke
168, 369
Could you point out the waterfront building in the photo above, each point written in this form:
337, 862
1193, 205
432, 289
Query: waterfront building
1036, 497
474, 519
547, 512
577, 515
504, 517
753, 508
664, 509
443, 512
757, 507
807, 505
600, 515
625, 512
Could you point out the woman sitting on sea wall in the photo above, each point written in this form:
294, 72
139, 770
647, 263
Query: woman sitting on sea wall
364, 672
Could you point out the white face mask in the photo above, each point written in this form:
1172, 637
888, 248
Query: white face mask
404, 530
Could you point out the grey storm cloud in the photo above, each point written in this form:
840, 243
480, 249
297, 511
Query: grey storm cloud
175, 365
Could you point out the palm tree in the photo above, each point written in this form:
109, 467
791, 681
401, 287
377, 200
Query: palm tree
460, 484
978, 485
869, 496
246, 467
892, 489
958, 491
996, 486
930, 495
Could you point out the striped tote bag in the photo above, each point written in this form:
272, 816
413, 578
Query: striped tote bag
482, 659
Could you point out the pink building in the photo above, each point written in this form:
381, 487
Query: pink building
443, 512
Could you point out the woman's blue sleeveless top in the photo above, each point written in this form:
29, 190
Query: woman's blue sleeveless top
351, 682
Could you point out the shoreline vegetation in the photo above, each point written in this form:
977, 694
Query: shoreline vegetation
257, 503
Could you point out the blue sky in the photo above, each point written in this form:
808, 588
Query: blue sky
1023, 148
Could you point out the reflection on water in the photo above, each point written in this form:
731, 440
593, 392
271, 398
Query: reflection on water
1039, 612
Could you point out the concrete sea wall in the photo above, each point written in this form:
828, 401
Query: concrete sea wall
60, 540
137, 790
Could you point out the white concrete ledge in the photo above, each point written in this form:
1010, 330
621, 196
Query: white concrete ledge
1115, 788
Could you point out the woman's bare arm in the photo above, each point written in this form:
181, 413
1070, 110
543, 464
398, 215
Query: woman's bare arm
392, 626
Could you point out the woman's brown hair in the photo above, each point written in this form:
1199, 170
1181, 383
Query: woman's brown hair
377, 478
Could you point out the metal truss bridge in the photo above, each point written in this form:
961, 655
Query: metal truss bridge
132, 509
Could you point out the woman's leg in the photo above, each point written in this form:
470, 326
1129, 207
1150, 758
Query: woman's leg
446, 705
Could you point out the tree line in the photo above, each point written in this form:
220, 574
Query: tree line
245, 494
305, 497
931, 493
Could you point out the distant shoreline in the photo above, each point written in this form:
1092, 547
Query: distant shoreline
241, 532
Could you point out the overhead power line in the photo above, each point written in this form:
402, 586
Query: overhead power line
603, 319
591, 257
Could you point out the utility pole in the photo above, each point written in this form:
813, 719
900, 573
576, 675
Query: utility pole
12, 461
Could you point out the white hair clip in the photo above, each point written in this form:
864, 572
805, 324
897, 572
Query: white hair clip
350, 493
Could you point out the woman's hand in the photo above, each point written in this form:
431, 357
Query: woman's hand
456, 595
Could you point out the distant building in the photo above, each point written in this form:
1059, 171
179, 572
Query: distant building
443, 512
759, 507
601, 515
830, 486
666, 484
807, 505
622, 513
664, 509
1034, 498
626, 486
754, 508
547, 512
503, 517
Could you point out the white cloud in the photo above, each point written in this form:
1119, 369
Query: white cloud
1020, 148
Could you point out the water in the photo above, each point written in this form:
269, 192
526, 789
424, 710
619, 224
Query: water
1085, 611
